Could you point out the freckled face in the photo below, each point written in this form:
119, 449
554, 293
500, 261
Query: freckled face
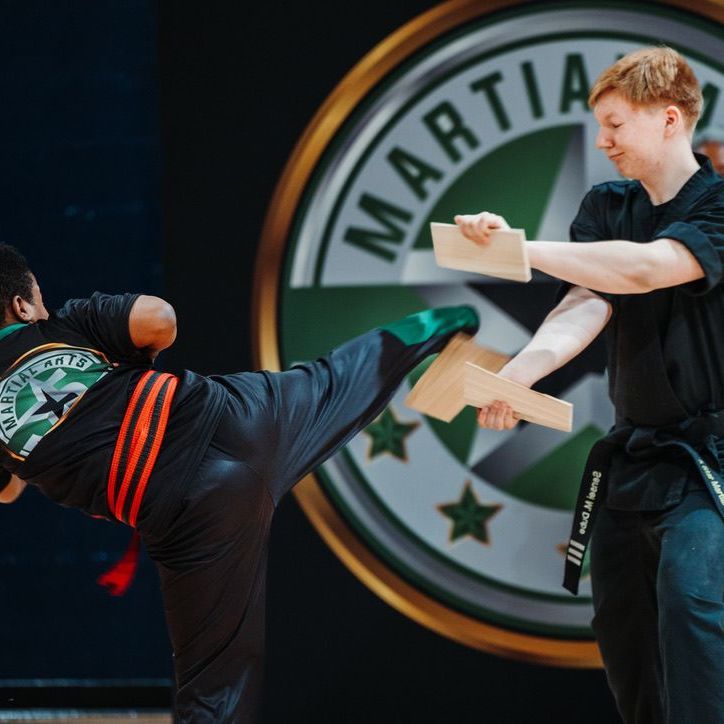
631, 136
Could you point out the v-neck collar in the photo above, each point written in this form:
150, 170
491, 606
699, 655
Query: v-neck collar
694, 186
672, 210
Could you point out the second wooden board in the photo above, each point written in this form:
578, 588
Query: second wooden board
482, 388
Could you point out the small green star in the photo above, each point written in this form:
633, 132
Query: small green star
469, 517
388, 435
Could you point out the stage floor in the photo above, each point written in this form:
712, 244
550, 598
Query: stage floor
86, 717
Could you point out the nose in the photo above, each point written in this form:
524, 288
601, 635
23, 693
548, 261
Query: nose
603, 140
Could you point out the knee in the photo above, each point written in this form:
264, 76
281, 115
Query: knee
690, 603
689, 572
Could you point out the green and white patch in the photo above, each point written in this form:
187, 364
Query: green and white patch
491, 116
37, 395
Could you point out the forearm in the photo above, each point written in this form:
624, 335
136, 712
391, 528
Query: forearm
564, 334
616, 267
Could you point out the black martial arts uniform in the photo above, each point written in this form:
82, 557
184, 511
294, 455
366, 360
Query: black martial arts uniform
657, 567
233, 445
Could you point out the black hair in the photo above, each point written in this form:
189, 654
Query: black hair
16, 279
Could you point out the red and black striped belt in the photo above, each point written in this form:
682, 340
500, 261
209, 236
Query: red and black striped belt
138, 444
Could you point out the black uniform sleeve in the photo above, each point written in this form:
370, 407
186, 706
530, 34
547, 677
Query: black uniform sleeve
587, 226
702, 232
103, 321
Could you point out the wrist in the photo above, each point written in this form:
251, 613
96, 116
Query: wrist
537, 251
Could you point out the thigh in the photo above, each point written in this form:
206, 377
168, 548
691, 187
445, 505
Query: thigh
212, 564
690, 590
623, 569
692, 543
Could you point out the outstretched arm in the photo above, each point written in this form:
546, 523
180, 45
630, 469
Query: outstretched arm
565, 333
152, 324
612, 267
12, 489
617, 267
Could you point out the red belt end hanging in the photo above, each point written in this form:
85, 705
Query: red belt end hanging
118, 579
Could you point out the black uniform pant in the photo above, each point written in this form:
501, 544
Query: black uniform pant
275, 429
658, 595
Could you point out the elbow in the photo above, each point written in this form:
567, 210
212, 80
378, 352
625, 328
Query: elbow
152, 323
642, 276
601, 310
165, 325
660, 264
166, 319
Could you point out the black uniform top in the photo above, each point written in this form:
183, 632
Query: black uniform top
64, 387
666, 347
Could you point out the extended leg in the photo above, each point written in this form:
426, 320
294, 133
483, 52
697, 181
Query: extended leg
291, 422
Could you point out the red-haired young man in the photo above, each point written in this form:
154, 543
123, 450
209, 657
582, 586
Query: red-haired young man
648, 269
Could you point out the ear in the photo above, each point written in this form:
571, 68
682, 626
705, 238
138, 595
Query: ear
673, 120
21, 309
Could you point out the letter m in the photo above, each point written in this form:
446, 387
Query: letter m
377, 241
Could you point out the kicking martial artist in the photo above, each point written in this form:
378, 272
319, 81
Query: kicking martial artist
651, 274
196, 464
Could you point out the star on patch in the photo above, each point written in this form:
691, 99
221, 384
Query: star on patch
388, 434
469, 516
55, 405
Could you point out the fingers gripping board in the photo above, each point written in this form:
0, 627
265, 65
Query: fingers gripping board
482, 387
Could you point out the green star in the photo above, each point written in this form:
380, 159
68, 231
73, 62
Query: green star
388, 435
469, 517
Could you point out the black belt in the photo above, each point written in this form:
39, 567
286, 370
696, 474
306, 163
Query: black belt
695, 435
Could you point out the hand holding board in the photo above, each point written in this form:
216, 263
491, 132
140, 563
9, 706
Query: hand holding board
506, 256
482, 387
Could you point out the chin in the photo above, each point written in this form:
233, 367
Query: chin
629, 170
621, 168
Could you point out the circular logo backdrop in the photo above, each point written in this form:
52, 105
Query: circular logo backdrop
462, 110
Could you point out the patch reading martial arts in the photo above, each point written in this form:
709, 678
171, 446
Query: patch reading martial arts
38, 392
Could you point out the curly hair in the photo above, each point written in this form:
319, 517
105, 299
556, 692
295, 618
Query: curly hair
16, 279
653, 76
